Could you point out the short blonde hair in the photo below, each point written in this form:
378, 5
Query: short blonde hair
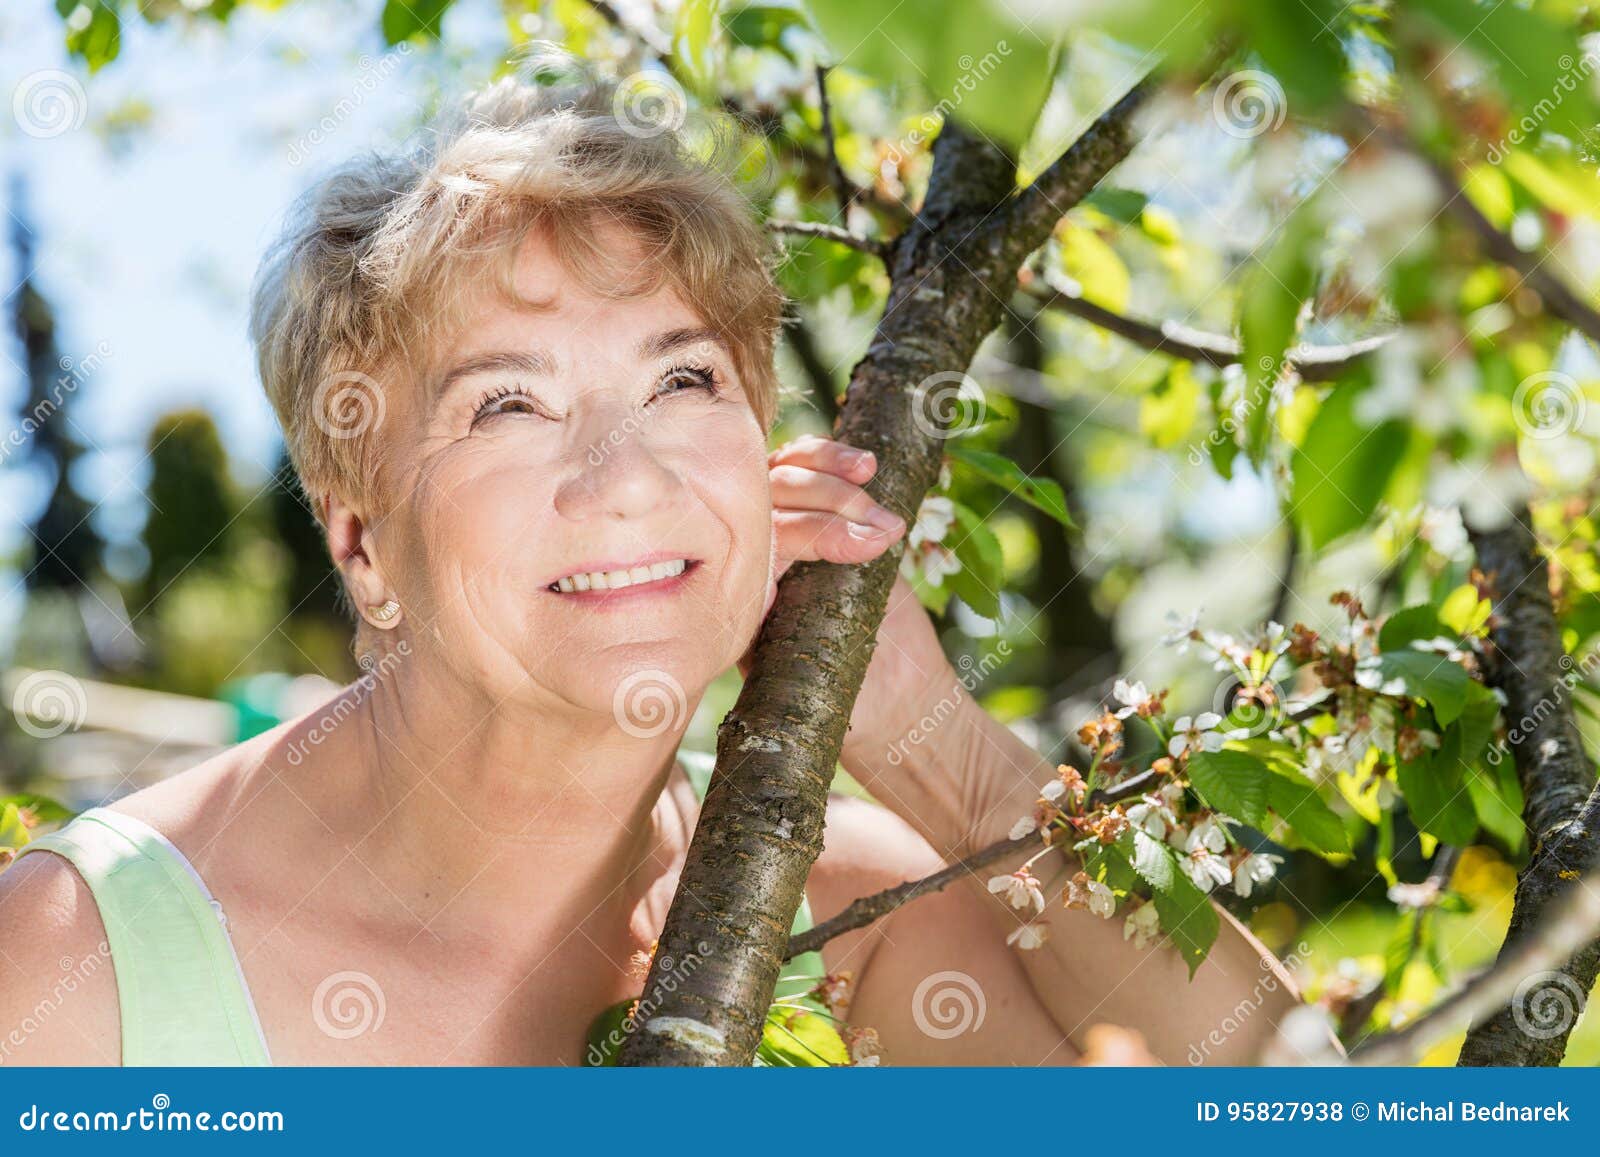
371, 268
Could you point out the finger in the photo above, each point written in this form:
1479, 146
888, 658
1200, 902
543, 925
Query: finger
796, 488
826, 455
812, 536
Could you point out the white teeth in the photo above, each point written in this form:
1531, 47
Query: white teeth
616, 579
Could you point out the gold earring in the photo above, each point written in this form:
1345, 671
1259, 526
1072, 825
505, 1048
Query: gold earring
386, 612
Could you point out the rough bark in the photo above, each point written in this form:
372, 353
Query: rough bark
760, 830
1530, 666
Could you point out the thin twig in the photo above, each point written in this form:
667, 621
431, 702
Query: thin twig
843, 188
878, 905
1558, 297
834, 233
1312, 363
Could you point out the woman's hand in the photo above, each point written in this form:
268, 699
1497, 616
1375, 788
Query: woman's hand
820, 511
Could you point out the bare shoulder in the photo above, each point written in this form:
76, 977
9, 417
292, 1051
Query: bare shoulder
58, 995
934, 978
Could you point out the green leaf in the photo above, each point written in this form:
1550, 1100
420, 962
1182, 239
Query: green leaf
1269, 311
694, 42
974, 59
1043, 493
982, 573
1233, 782
45, 809
98, 40
1500, 813
1297, 803
1124, 205
1477, 721
1436, 793
1342, 469
763, 25
606, 1034
1425, 675
405, 19
1533, 58
1089, 260
1300, 43
1153, 860
1167, 411
1189, 920
800, 1038
1413, 624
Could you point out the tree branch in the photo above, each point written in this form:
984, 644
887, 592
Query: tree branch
871, 908
803, 343
832, 233
1569, 927
843, 189
1558, 297
760, 827
1531, 667
1312, 363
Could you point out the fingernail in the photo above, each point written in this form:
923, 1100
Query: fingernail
857, 457
862, 530
883, 519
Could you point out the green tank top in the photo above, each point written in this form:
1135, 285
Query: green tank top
181, 993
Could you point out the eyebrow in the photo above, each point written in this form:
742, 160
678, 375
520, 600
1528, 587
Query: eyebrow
673, 340
497, 361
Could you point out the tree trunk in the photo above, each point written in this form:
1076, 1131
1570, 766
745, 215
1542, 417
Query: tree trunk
1529, 664
718, 958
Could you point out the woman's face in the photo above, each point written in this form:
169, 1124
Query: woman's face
578, 497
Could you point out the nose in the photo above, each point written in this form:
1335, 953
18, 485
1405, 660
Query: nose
616, 473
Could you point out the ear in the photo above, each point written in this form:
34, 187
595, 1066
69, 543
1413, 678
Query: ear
352, 546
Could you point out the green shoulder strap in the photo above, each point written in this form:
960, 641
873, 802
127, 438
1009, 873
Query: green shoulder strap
802, 973
182, 995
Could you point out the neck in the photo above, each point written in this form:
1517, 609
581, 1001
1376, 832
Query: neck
470, 810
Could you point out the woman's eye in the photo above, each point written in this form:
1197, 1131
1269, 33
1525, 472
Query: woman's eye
504, 402
687, 378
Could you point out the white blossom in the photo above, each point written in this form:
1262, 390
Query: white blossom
1029, 935
1143, 926
1020, 889
1256, 868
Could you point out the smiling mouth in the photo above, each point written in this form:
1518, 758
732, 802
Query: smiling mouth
612, 580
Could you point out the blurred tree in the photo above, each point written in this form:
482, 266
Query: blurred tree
65, 546
191, 502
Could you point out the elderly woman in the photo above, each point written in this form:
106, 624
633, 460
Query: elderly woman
526, 378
